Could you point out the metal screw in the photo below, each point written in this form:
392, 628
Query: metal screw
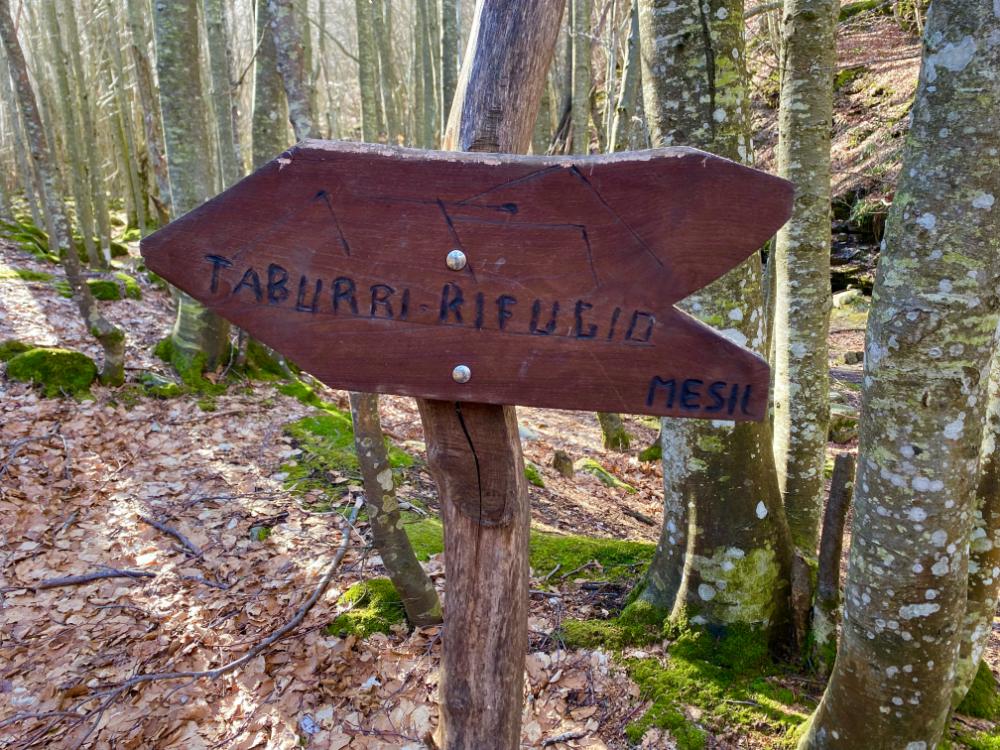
461, 374
456, 260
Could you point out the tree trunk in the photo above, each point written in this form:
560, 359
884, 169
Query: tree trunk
270, 113
68, 107
414, 586
802, 266
580, 32
292, 66
367, 71
984, 548
200, 338
826, 606
428, 102
621, 124
229, 169
614, 435
111, 338
449, 55
724, 555
151, 118
473, 450
388, 80
930, 340
25, 171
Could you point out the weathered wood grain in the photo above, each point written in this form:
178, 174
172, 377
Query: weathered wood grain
335, 254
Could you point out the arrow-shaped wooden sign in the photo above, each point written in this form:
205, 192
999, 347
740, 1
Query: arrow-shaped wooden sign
543, 281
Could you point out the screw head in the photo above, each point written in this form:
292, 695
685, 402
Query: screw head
461, 374
456, 260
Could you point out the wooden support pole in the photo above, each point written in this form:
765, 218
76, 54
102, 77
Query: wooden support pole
473, 449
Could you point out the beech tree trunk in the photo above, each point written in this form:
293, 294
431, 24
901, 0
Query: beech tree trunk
473, 450
367, 71
229, 169
580, 33
930, 340
200, 338
802, 265
984, 548
622, 120
111, 338
724, 555
270, 112
411, 581
292, 66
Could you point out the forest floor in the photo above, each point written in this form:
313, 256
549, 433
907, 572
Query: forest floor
78, 478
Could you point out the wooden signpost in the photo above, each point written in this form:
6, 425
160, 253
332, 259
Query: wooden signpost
542, 281
475, 282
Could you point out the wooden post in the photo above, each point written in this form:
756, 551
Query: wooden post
473, 449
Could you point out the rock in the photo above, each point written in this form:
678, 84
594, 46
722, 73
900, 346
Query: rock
842, 298
527, 434
590, 466
563, 464
57, 371
843, 424
854, 358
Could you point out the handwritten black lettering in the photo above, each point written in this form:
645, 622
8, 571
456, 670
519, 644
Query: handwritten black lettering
217, 261
251, 281
503, 312
300, 300
451, 303
714, 392
691, 393
343, 290
578, 312
536, 311
634, 324
277, 284
668, 385
380, 299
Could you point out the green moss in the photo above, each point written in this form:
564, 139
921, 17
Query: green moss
983, 698
159, 386
105, 290
63, 288
261, 364
118, 250
132, 234
590, 466
640, 623
260, 533
24, 274
847, 76
729, 679
130, 285
56, 371
28, 237
533, 475
12, 347
190, 369
652, 453
374, 607
616, 559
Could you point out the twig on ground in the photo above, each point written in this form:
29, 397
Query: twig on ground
17, 445
641, 517
552, 572
591, 564
187, 543
53, 583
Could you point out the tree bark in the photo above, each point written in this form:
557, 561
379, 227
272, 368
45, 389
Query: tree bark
984, 548
724, 555
473, 449
111, 338
826, 606
449, 55
388, 80
802, 265
930, 340
580, 32
292, 66
367, 71
199, 337
25, 171
621, 124
229, 169
270, 111
614, 435
414, 586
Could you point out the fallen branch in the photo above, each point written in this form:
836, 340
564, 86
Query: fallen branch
565, 737
15, 446
185, 542
111, 694
641, 517
54, 583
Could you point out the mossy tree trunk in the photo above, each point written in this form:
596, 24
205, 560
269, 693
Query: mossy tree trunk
984, 548
802, 265
724, 555
111, 338
613, 433
393, 545
930, 340
622, 119
269, 124
200, 338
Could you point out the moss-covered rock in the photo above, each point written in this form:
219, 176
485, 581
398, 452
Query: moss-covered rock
983, 698
563, 464
12, 347
653, 453
129, 285
843, 423
590, 466
158, 386
24, 274
56, 371
105, 290
533, 475
373, 607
